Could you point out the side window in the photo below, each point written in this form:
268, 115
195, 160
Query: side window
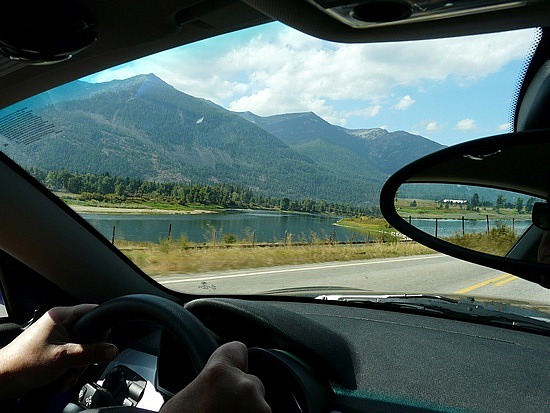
3, 310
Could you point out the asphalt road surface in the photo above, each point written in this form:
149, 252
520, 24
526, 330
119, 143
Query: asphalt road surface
435, 273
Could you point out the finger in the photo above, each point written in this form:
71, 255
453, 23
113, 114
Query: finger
258, 384
76, 313
249, 387
79, 355
69, 315
80, 310
234, 354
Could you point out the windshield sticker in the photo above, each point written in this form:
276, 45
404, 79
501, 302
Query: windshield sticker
24, 127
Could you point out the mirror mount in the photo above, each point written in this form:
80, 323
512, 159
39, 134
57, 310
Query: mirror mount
337, 20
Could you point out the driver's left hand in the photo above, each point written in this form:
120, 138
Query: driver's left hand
44, 354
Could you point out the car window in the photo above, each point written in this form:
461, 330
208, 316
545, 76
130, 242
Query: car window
252, 163
3, 309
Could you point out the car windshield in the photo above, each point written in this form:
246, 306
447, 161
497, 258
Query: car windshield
252, 163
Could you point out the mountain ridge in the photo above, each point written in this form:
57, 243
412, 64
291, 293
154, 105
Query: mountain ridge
144, 128
378, 147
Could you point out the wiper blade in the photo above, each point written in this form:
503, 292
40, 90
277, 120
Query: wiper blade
468, 310
379, 298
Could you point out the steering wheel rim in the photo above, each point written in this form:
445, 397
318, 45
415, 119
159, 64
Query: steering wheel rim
185, 327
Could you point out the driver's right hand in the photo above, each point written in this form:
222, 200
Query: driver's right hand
223, 386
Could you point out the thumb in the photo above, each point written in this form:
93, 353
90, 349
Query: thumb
80, 355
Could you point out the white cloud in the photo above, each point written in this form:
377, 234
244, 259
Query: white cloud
432, 126
467, 124
404, 103
318, 73
281, 70
365, 113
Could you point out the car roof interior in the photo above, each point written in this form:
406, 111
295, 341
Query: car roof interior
111, 33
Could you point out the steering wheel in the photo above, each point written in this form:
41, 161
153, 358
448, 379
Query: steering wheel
183, 325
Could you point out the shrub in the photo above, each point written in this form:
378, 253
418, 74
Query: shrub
229, 238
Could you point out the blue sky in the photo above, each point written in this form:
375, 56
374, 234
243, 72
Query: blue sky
448, 90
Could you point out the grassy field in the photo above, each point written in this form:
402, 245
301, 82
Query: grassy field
498, 241
178, 256
142, 206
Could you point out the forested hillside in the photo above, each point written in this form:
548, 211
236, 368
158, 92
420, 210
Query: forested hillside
145, 129
127, 191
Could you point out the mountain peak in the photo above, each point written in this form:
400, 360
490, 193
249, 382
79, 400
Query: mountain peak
368, 134
146, 79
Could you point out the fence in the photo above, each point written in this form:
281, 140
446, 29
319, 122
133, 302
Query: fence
447, 227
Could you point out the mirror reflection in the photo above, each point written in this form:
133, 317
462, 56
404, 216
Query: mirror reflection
483, 219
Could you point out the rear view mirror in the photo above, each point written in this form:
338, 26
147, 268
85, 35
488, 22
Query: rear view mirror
478, 201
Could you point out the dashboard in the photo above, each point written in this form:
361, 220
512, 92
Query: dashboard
327, 357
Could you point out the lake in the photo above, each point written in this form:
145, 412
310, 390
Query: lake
267, 226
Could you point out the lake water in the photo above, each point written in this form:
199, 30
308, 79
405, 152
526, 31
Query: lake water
267, 226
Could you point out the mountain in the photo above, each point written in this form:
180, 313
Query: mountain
326, 144
379, 151
144, 128
69, 91
389, 151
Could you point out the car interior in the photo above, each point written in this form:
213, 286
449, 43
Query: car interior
312, 355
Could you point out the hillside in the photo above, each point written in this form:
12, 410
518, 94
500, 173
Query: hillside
144, 128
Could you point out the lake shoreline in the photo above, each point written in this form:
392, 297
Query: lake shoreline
87, 209
143, 210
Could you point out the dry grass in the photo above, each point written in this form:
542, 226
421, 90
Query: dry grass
177, 257
497, 242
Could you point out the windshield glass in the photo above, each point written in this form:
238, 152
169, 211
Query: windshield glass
252, 163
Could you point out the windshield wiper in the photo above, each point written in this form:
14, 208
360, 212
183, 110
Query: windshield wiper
385, 297
467, 309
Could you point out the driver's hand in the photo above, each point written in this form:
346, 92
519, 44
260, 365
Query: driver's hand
44, 354
222, 386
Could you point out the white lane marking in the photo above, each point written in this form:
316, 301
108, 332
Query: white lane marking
313, 268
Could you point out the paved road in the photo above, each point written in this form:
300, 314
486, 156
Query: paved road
424, 273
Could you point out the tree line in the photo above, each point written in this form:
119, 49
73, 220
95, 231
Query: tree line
501, 202
116, 189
